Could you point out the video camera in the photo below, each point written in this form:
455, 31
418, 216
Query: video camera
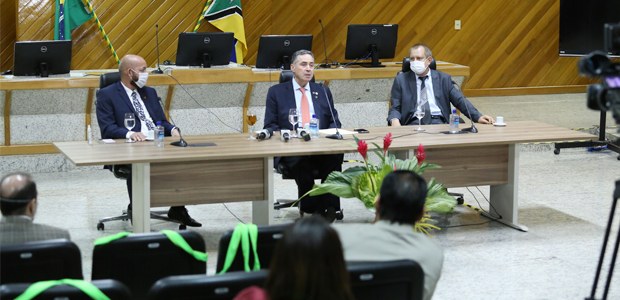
604, 96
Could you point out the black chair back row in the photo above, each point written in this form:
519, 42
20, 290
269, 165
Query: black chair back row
400, 279
111, 288
41, 260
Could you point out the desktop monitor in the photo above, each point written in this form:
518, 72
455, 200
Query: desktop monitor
275, 51
42, 58
371, 41
204, 49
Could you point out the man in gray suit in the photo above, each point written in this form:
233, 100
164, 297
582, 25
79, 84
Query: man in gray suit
427, 90
392, 237
18, 203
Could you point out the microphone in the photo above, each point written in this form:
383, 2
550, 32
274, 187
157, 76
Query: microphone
158, 71
285, 135
181, 142
326, 63
263, 134
303, 134
473, 128
337, 135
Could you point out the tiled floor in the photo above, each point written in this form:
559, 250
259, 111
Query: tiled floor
564, 200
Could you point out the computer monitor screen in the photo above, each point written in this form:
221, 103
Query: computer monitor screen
42, 58
275, 51
371, 41
204, 49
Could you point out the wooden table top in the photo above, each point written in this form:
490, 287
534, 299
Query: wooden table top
237, 146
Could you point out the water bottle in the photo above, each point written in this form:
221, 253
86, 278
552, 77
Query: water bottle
314, 127
454, 122
159, 135
89, 135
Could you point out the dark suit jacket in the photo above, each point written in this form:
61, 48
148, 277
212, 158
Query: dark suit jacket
281, 98
113, 103
404, 97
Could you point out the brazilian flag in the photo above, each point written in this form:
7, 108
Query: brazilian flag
69, 15
227, 16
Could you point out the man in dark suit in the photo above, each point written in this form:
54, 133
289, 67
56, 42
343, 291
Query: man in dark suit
309, 98
18, 203
428, 90
131, 95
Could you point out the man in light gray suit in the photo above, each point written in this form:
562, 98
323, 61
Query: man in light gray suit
430, 91
392, 237
18, 203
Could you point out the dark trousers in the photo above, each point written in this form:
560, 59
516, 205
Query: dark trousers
304, 169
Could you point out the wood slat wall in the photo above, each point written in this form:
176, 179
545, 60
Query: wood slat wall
510, 43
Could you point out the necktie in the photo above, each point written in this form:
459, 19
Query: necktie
305, 107
138, 107
424, 101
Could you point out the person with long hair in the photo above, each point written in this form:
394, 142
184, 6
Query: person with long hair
308, 264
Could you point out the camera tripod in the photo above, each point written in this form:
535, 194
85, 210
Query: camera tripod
615, 253
602, 141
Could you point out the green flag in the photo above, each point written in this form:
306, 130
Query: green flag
69, 15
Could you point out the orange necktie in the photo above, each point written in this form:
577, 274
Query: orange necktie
305, 108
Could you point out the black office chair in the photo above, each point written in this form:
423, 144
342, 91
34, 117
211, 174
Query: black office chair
268, 236
41, 260
139, 260
398, 279
218, 287
124, 171
111, 288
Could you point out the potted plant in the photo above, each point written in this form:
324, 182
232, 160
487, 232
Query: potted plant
364, 181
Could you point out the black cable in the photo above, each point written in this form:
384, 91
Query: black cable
199, 104
491, 205
355, 61
233, 214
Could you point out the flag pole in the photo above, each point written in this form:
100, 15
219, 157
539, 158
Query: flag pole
105, 36
204, 10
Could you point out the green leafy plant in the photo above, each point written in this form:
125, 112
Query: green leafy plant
364, 181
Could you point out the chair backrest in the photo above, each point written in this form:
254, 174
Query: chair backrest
398, 279
41, 260
111, 288
268, 236
220, 287
139, 260
407, 65
287, 75
106, 79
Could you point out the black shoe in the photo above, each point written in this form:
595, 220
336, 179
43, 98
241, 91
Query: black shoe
179, 213
340, 215
329, 214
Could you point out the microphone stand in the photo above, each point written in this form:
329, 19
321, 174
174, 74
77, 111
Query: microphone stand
473, 128
337, 135
158, 70
181, 142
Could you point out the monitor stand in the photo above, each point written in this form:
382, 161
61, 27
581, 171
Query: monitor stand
206, 60
374, 56
43, 70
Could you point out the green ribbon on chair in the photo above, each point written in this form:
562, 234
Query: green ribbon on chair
38, 287
247, 236
174, 237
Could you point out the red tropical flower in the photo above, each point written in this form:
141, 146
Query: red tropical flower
362, 148
387, 141
420, 154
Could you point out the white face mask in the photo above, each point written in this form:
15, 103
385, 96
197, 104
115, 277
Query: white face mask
417, 67
142, 77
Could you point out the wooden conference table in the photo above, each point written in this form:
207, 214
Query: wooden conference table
238, 169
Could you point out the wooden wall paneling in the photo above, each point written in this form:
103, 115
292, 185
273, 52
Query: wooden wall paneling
8, 19
507, 44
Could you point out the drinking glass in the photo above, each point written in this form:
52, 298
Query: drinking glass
419, 114
130, 123
251, 121
293, 118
